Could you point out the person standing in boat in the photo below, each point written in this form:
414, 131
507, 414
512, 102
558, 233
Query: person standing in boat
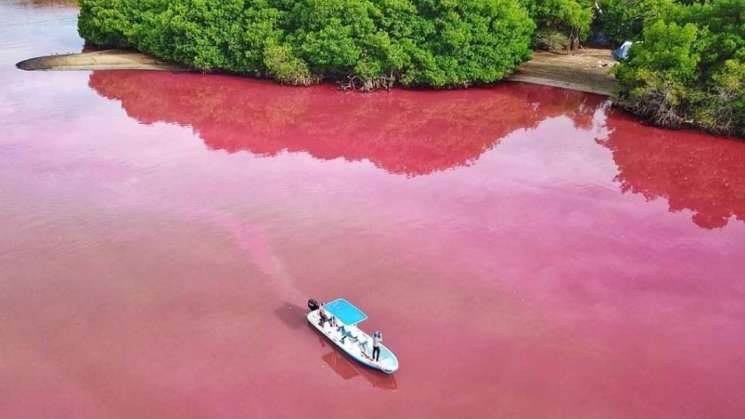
377, 340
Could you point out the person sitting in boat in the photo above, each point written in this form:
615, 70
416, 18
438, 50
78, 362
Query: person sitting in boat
377, 340
363, 347
323, 317
343, 332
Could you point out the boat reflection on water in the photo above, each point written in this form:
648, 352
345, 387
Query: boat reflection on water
404, 132
691, 170
348, 369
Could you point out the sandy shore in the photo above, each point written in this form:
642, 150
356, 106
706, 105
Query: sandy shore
111, 59
586, 70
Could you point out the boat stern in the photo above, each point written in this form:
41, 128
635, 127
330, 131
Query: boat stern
388, 361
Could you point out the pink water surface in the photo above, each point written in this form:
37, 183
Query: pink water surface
528, 252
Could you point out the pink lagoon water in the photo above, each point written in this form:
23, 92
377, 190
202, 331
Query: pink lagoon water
528, 252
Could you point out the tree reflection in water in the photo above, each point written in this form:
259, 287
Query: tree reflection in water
691, 170
415, 133
48, 3
403, 132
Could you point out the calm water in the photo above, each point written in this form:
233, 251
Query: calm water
527, 251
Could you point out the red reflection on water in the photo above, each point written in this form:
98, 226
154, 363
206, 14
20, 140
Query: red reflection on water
417, 133
403, 132
690, 170
143, 274
348, 369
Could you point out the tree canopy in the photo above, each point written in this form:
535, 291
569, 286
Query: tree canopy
364, 43
688, 68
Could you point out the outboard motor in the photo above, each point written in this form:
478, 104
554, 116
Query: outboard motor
313, 305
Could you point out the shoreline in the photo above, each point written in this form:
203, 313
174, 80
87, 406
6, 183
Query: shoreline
586, 70
110, 59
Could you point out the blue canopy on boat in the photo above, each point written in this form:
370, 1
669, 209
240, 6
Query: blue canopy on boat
345, 311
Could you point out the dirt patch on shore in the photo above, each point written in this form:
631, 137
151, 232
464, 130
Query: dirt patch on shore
586, 70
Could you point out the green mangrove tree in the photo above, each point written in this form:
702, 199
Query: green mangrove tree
362, 43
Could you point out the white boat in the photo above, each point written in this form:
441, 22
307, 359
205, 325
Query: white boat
342, 330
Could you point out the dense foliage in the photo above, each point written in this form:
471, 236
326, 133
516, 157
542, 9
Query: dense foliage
570, 17
551, 40
623, 20
561, 24
689, 68
365, 43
